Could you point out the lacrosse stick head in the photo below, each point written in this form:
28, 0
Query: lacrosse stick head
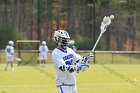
106, 22
18, 59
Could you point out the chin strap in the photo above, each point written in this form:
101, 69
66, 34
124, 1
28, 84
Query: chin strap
63, 47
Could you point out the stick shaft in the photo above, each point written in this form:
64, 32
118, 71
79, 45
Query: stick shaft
96, 42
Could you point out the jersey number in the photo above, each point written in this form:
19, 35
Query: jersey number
8, 49
69, 62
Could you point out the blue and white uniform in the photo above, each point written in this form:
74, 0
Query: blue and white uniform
67, 63
65, 80
9, 50
43, 49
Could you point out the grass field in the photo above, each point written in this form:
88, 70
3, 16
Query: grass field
100, 78
108, 58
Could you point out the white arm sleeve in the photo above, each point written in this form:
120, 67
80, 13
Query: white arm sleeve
12, 50
6, 49
58, 62
39, 48
47, 49
76, 57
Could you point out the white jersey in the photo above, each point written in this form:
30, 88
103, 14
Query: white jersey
9, 50
43, 52
60, 58
43, 49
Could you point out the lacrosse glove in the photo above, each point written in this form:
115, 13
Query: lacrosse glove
68, 68
82, 67
87, 58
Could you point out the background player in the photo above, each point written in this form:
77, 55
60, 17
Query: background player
43, 52
9, 50
72, 46
67, 63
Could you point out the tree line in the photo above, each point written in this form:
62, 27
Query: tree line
38, 19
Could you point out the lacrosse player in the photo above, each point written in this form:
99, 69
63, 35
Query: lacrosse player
67, 63
9, 55
43, 51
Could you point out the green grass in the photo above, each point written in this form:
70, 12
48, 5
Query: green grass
108, 78
108, 58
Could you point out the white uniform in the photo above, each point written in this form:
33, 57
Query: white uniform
9, 53
66, 81
43, 52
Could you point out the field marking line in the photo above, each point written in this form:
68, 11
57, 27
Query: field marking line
50, 85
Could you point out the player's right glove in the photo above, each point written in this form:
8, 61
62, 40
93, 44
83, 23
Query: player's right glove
87, 58
77, 67
82, 67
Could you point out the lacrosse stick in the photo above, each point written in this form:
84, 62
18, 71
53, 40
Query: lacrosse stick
105, 23
17, 59
87, 58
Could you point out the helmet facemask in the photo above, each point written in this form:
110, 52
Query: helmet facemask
63, 42
61, 38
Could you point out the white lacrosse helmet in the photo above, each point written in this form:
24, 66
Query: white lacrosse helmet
11, 43
61, 37
43, 43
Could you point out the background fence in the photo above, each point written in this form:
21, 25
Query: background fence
105, 57
117, 57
